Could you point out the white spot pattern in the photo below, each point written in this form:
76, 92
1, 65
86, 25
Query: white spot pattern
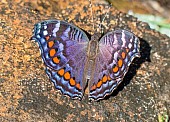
57, 26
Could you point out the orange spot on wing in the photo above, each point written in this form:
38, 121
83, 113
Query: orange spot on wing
115, 69
56, 60
73, 82
67, 75
50, 44
78, 86
61, 72
120, 62
52, 52
108, 77
93, 87
104, 79
47, 38
123, 55
99, 84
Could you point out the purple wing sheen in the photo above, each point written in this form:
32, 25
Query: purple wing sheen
117, 49
63, 49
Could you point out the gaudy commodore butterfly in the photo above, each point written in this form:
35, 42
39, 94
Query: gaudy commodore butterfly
73, 60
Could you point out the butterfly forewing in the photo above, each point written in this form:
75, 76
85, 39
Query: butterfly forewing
63, 49
117, 49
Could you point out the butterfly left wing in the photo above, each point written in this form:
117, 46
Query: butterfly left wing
63, 49
117, 49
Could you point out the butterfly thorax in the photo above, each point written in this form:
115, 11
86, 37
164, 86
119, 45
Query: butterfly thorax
93, 46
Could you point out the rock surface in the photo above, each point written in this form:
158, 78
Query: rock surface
26, 94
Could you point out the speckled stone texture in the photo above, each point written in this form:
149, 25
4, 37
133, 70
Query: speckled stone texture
27, 95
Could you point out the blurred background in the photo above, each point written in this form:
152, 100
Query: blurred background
155, 12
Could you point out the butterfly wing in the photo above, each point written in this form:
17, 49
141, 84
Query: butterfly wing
117, 49
63, 50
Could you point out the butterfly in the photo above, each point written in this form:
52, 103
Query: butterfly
73, 60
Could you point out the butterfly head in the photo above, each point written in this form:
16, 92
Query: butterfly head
96, 37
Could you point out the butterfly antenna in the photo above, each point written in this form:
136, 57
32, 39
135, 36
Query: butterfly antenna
100, 25
91, 6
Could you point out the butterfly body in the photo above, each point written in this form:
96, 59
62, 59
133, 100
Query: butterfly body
72, 59
93, 49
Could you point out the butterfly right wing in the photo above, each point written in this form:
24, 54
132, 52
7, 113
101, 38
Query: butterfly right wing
117, 49
63, 48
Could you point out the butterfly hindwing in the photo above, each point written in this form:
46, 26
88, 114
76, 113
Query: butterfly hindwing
117, 49
63, 49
